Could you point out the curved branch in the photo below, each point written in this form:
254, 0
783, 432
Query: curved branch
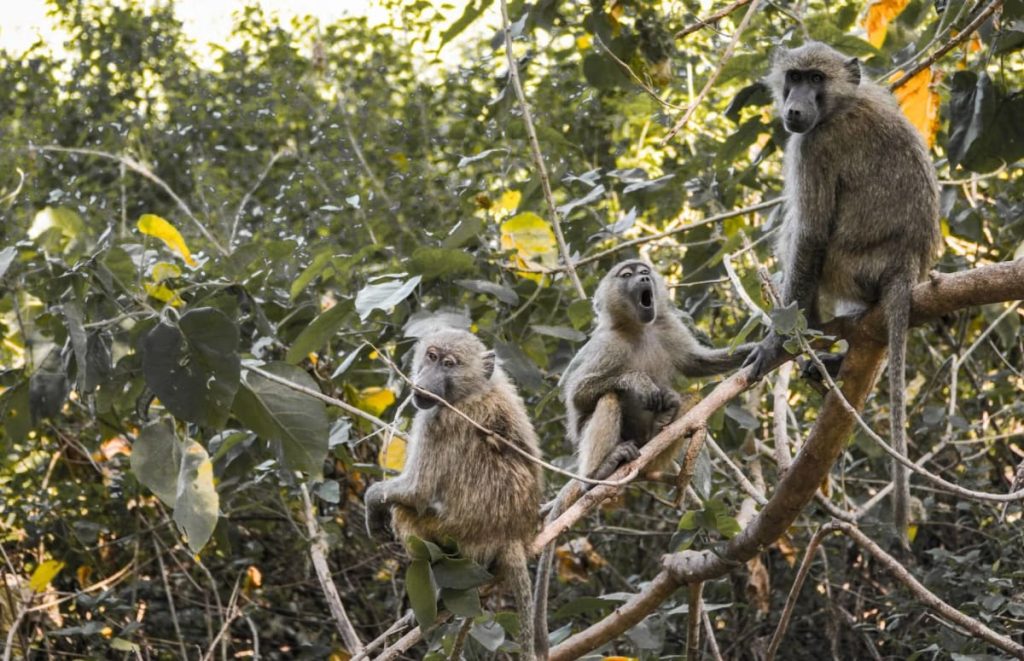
942, 295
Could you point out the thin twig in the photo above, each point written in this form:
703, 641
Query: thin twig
327, 399
538, 157
760, 206
693, 622
410, 639
318, 551
399, 624
249, 193
712, 19
170, 599
960, 37
141, 169
726, 56
794, 591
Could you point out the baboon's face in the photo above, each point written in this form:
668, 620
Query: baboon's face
450, 365
635, 282
803, 99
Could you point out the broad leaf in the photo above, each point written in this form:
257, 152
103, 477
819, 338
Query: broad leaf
384, 296
155, 459
419, 585
193, 366
293, 423
196, 504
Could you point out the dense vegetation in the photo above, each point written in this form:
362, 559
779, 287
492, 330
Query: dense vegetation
176, 233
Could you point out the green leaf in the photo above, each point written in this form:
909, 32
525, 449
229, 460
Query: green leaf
560, 332
293, 423
317, 333
75, 323
604, 74
741, 140
193, 366
460, 573
464, 603
488, 633
464, 231
434, 263
755, 94
473, 11
384, 296
419, 585
315, 268
788, 320
7, 256
197, 503
580, 313
500, 292
155, 458
122, 645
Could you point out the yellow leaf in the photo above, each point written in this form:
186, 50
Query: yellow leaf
533, 240
82, 574
392, 455
620, 658
375, 400
583, 41
508, 202
920, 103
43, 574
401, 161
154, 225
876, 21
163, 293
164, 271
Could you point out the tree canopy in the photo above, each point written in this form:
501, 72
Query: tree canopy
213, 269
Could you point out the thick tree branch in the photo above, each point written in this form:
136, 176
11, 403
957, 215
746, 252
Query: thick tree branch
942, 295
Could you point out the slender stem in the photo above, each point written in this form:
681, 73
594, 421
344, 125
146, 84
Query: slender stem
538, 157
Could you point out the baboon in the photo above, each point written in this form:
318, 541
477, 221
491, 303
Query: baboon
861, 218
619, 388
459, 482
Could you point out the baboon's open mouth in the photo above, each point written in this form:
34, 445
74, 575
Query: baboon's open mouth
646, 297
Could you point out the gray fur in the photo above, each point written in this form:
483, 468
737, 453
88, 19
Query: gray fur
619, 390
460, 483
861, 220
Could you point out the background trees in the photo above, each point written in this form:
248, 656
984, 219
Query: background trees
315, 196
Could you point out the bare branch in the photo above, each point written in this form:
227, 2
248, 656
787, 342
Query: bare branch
318, 551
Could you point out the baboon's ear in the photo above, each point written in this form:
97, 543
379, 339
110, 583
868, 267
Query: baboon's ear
852, 67
488, 358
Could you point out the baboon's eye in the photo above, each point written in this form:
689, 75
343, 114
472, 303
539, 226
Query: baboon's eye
432, 356
626, 273
793, 76
449, 362
817, 78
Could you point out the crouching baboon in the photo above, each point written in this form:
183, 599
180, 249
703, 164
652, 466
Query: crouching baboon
861, 223
459, 482
619, 388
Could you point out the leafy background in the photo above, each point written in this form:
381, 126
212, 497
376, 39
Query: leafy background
318, 194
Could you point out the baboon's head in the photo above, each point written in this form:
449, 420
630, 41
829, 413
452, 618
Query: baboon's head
451, 364
630, 292
810, 82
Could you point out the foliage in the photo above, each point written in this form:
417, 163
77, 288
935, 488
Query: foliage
318, 194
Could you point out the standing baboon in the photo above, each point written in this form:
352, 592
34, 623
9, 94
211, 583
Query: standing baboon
619, 387
459, 482
861, 223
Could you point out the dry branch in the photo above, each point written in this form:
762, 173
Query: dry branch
318, 551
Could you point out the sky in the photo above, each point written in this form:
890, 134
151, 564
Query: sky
204, 20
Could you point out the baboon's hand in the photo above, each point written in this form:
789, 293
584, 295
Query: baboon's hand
377, 511
764, 356
661, 400
622, 453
